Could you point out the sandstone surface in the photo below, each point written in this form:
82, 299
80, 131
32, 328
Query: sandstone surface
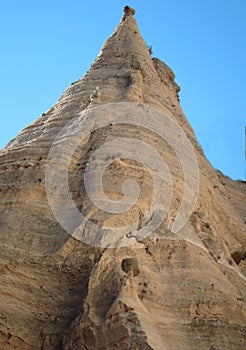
175, 291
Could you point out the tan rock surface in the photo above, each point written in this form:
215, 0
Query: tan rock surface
60, 293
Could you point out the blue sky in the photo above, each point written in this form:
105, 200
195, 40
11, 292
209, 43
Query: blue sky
46, 45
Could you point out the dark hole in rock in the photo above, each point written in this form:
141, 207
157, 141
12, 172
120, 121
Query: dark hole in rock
238, 256
130, 265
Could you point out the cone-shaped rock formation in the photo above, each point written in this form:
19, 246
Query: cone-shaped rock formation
174, 287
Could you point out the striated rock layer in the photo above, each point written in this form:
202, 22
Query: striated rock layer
183, 291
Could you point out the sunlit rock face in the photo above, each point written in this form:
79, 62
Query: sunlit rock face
83, 272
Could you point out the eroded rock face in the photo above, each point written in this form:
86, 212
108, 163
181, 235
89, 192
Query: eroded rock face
175, 291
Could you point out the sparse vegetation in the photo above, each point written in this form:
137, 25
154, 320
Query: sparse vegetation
149, 47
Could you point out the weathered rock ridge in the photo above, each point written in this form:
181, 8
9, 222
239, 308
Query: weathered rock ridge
184, 291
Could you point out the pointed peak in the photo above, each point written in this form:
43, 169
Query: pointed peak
125, 70
123, 61
123, 46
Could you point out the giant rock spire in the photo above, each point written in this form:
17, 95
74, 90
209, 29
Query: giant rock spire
63, 285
